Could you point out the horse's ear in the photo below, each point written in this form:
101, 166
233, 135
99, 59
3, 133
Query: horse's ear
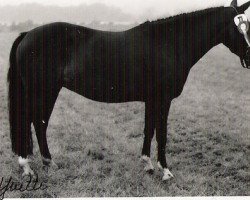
244, 7
234, 4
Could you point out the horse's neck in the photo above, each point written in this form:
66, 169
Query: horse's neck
191, 35
208, 31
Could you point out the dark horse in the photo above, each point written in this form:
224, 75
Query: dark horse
149, 63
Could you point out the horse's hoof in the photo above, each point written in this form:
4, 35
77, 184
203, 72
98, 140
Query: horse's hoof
28, 172
151, 171
24, 164
167, 175
49, 163
54, 165
50, 167
149, 168
148, 164
46, 168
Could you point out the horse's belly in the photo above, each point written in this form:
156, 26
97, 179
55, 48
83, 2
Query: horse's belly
103, 89
106, 96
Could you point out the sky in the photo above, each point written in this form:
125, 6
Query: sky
135, 6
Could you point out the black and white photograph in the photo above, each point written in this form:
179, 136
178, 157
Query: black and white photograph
124, 98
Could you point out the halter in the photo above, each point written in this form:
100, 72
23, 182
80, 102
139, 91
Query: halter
242, 24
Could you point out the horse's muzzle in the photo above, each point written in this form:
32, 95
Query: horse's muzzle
245, 61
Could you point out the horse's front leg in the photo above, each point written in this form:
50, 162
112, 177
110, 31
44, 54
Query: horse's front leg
161, 137
148, 136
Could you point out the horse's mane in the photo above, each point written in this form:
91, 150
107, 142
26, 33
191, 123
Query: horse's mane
178, 17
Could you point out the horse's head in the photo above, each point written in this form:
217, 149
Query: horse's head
237, 37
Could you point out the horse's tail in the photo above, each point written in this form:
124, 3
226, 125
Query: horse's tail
19, 118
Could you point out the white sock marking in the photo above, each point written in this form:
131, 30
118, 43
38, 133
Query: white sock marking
166, 173
24, 163
159, 165
148, 164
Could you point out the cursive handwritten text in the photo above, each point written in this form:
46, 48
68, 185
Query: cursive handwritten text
31, 184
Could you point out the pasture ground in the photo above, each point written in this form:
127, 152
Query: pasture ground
97, 146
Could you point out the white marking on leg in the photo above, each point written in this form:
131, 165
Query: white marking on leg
24, 163
148, 163
159, 165
47, 160
43, 122
166, 173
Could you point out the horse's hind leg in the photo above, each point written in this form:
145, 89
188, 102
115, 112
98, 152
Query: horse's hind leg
20, 123
41, 127
41, 117
24, 137
148, 136
24, 163
23, 159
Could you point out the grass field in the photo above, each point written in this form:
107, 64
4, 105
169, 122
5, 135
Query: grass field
97, 146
